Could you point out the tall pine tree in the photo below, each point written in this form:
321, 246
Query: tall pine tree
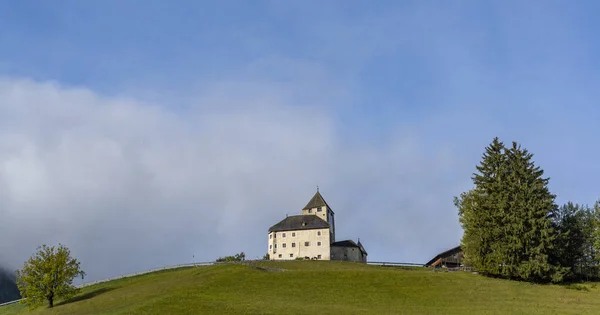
530, 229
507, 217
479, 212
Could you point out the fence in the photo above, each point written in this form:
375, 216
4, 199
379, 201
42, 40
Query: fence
394, 264
374, 263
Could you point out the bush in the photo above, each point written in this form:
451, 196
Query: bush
237, 257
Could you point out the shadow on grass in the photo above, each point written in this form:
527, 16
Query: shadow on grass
85, 296
579, 286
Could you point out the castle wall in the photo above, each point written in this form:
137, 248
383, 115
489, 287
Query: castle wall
295, 244
325, 214
315, 211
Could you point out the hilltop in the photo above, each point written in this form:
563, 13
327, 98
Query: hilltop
8, 288
321, 287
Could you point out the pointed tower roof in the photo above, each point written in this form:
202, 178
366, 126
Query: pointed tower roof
316, 201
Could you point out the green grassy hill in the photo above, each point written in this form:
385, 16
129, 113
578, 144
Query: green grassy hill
319, 287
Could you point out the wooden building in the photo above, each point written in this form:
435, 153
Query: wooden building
451, 258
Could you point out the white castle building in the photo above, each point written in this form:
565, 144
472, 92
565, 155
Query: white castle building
312, 236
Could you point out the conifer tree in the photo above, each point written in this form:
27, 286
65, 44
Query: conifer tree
529, 228
479, 212
588, 266
596, 230
572, 244
507, 217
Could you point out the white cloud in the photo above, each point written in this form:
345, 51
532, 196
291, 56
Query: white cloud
129, 185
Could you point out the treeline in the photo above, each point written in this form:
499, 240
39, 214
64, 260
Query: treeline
578, 243
237, 257
514, 229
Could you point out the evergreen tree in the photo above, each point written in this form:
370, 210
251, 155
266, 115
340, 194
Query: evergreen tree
507, 217
574, 227
587, 267
480, 209
596, 231
531, 211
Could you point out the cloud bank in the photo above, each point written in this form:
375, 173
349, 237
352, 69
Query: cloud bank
129, 185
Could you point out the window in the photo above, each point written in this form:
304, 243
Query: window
318, 244
270, 236
283, 245
318, 256
309, 210
283, 235
279, 255
270, 246
319, 209
275, 235
291, 255
293, 244
319, 233
275, 245
306, 243
293, 234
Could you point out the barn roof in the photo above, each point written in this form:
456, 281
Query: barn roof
349, 243
300, 222
449, 252
346, 243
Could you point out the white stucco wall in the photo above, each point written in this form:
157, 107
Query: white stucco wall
325, 214
299, 237
315, 211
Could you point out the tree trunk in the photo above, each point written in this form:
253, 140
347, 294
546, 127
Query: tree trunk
51, 300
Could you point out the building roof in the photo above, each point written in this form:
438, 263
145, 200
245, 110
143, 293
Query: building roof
300, 222
316, 201
361, 247
449, 252
349, 243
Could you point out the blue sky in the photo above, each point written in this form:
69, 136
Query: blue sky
386, 105
402, 61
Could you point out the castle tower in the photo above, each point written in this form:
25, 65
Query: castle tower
317, 206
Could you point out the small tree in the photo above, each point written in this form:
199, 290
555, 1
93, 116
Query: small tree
48, 275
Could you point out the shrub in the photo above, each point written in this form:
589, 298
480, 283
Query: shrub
237, 257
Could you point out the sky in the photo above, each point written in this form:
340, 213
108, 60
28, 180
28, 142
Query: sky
149, 133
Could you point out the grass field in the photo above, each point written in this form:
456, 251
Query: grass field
319, 287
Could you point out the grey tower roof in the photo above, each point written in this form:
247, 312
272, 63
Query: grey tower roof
316, 201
